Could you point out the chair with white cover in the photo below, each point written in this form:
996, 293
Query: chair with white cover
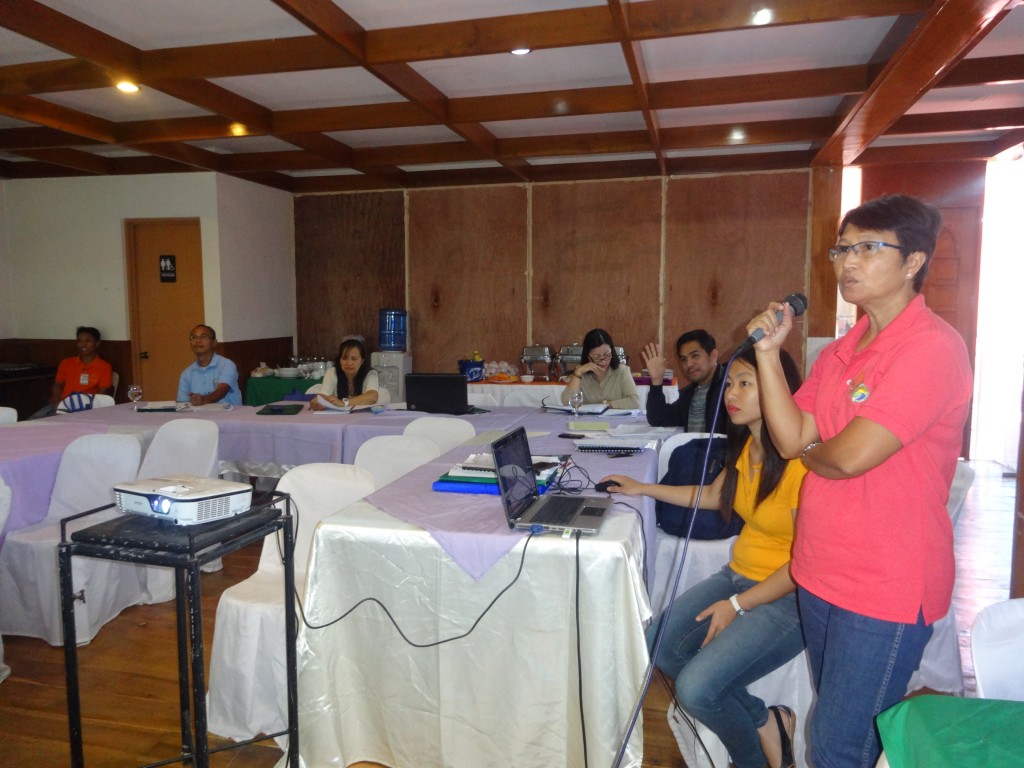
8, 415
5, 510
446, 432
482, 400
89, 468
388, 457
102, 401
314, 390
179, 447
248, 683
524, 396
996, 649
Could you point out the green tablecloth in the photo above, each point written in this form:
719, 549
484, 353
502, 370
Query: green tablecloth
950, 732
270, 389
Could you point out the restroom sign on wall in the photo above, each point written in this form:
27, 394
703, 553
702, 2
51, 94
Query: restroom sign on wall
168, 271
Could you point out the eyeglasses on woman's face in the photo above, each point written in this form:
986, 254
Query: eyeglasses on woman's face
602, 358
863, 249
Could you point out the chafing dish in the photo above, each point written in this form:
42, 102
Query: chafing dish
538, 355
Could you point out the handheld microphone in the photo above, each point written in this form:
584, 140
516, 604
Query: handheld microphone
797, 302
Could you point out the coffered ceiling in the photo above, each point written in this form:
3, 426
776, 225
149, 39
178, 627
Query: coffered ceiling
325, 95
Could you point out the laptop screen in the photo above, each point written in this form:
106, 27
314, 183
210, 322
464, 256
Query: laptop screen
516, 477
437, 393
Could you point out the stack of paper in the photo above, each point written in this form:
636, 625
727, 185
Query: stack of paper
477, 475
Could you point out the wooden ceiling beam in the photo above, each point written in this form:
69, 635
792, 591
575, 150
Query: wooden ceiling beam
219, 101
52, 77
950, 122
398, 114
943, 37
613, 142
635, 62
70, 158
945, 152
753, 162
59, 118
248, 57
772, 86
329, 21
671, 18
985, 71
40, 138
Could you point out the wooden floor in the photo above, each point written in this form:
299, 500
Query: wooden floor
129, 683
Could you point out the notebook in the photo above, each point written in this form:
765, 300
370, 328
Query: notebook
524, 505
437, 393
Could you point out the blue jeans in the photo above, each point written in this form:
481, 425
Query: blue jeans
860, 666
711, 684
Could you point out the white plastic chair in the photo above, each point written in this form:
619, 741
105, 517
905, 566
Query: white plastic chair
996, 649
313, 390
89, 469
5, 510
248, 684
179, 447
388, 457
447, 433
8, 415
102, 401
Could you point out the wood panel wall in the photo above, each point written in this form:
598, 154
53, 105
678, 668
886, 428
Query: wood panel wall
958, 191
349, 264
734, 243
493, 269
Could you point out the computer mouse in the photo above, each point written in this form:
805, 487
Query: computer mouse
603, 486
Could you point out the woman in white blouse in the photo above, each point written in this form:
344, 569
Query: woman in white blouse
350, 381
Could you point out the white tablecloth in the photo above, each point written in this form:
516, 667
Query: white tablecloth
534, 394
504, 695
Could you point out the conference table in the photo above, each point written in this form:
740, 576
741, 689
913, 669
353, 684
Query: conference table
505, 634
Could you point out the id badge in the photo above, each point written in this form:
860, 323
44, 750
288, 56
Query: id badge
83, 379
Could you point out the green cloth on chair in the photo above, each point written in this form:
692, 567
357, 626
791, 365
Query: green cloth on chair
951, 732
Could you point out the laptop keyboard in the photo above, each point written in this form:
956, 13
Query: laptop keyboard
558, 510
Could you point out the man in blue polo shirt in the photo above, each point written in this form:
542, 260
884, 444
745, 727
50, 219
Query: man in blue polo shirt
211, 378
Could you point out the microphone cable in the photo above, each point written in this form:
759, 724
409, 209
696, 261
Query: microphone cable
663, 619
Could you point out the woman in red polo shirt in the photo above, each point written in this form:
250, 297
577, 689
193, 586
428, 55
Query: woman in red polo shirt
879, 424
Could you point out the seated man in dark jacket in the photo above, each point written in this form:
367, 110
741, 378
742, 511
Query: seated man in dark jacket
698, 363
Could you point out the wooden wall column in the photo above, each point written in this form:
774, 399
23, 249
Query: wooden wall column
826, 200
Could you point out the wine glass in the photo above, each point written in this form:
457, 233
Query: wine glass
576, 400
135, 394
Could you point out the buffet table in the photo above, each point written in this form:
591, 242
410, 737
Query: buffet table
493, 679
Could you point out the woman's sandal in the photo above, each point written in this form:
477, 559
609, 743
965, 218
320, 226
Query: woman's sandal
785, 734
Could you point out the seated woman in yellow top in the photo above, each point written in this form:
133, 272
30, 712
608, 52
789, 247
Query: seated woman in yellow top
601, 375
350, 381
743, 620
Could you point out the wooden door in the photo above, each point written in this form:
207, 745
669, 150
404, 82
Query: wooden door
166, 300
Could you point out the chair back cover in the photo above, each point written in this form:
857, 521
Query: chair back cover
8, 415
102, 401
76, 401
317, 490
89, 468
182, 447
445, 432
388, 457
996, 648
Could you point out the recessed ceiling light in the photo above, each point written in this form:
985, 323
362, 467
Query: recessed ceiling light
762, 17
737, 135
127, 86
520, 51
238, 129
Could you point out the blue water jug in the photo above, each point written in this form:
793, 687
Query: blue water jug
392, 329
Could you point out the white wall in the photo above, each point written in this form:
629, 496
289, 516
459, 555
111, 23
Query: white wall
64, 264
257, 260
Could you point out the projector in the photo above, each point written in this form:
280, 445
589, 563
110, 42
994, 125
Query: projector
184, 499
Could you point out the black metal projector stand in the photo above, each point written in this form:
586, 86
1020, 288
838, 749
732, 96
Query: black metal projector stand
150, 541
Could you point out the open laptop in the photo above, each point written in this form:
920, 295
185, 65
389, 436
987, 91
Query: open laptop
437, 393
525, 507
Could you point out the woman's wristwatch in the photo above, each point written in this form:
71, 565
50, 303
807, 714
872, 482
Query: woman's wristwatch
735, 600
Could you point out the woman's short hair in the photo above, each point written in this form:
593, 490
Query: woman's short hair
595, 338
915, 222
